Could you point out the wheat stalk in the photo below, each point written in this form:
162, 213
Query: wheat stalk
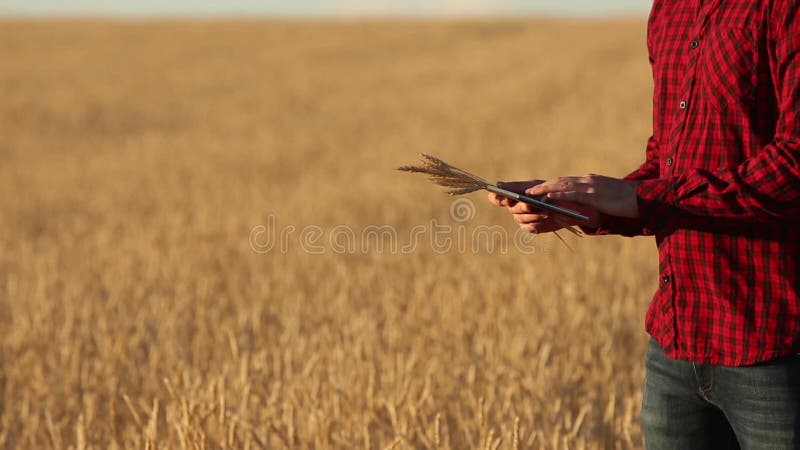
461, 182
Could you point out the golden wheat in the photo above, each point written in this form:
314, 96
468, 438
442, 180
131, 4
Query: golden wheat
137, 158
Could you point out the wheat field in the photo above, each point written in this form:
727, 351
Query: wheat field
142, 165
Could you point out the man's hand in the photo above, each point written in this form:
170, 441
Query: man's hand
533, 220
607, 195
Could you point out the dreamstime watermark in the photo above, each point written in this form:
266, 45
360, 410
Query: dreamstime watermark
441, 238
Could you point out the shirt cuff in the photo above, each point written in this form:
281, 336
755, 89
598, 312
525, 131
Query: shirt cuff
622, 226
656, 199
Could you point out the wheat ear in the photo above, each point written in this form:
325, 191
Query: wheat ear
460, 182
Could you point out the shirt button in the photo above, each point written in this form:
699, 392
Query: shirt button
694, 44
669, 162
683, 104
666, 279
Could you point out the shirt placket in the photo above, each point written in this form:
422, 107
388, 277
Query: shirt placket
676, 135
687, 83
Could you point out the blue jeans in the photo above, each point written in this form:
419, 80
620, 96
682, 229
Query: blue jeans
690, 406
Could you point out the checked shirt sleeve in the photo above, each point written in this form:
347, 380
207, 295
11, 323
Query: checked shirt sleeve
762, 188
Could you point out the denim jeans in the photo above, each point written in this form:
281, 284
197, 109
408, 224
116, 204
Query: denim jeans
690, 406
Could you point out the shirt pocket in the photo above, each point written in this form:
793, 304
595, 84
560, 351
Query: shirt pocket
728, 68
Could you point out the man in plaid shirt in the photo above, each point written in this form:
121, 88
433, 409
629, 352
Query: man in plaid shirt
720, 191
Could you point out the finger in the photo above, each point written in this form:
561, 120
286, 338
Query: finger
494, 199
583, 198
561, 184
507, 202
520, 208
501, 201
530, 218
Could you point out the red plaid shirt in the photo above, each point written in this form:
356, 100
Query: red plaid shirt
720, 188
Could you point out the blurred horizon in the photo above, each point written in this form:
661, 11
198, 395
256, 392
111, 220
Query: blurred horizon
323, 8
